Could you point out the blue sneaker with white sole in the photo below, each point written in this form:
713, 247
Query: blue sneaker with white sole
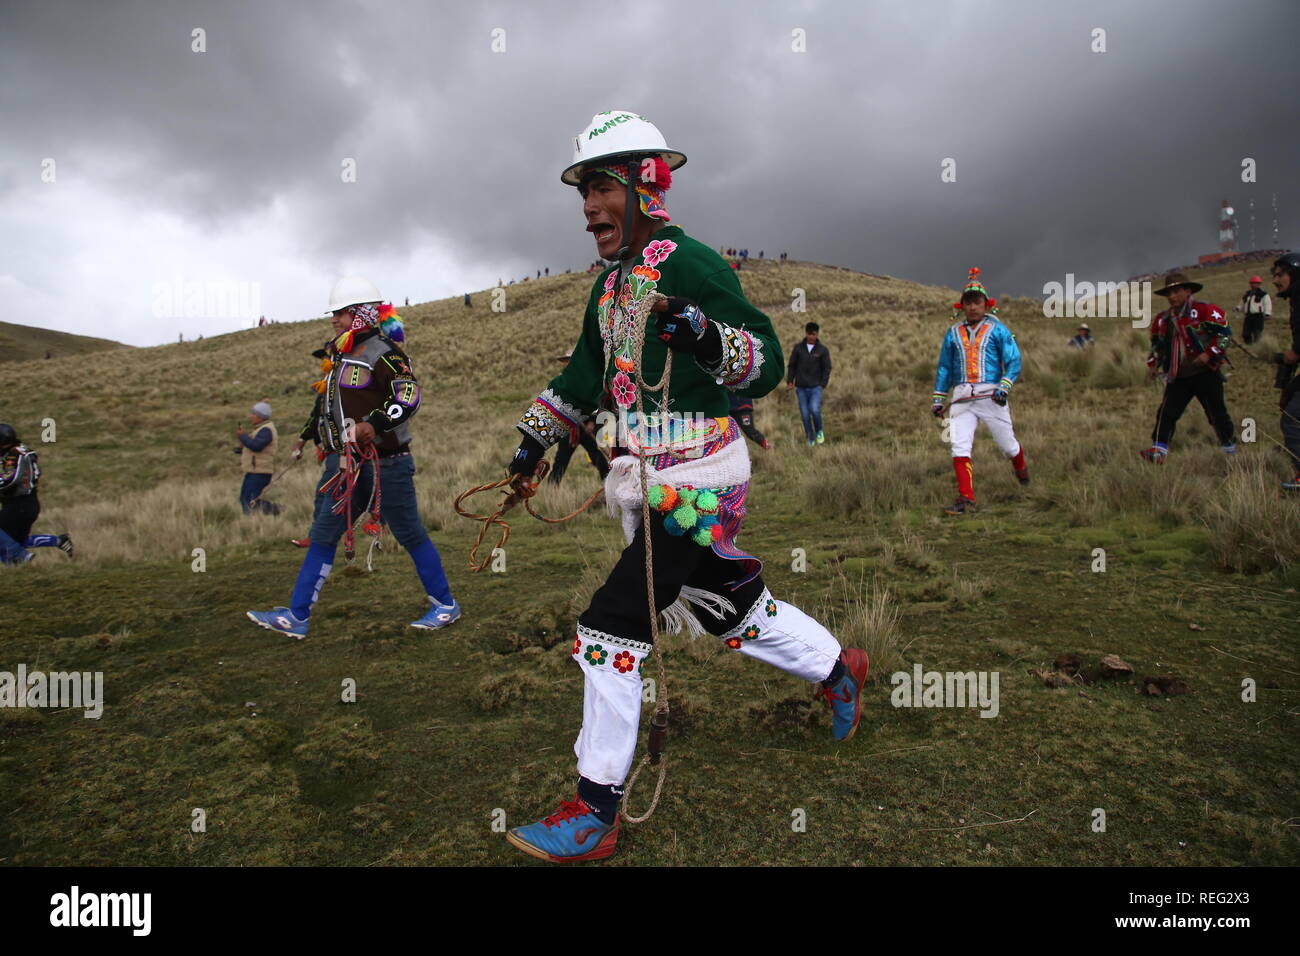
845, 698
440, 615
571, 834
281, 620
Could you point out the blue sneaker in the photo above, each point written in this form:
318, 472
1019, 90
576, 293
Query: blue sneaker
440, 615
572, 833
845, 697
281, 620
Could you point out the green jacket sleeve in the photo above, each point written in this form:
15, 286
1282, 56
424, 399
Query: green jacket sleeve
751, 363
575, 393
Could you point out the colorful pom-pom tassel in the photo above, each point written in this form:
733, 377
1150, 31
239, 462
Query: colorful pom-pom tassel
667, 498
685, 516
706, 501
655, 497
672, 527
702, 537
688, 495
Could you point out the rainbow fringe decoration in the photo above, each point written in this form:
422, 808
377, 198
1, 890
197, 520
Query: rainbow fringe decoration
390, 323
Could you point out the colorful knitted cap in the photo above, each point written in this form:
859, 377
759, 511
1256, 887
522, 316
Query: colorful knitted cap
650, 194
973, 284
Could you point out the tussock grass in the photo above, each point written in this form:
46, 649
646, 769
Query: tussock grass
867, 616
1252, 526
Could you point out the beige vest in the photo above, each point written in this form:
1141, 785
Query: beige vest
260, 462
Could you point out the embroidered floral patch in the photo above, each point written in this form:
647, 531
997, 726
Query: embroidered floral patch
733, 643
623, 390
750, 632
596, 655
770, 608
624, 662
658, 250
577, 646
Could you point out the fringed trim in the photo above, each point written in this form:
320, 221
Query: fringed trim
679, 616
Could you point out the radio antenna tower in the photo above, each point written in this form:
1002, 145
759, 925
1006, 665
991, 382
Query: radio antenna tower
1227, 229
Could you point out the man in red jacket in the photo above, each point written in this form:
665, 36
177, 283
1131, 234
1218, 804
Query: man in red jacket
1189, 342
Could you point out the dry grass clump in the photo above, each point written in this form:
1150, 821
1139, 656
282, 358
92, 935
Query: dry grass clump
868, 617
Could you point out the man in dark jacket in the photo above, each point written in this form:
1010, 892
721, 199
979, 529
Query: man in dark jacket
1189, 342
809, 373
1286, 279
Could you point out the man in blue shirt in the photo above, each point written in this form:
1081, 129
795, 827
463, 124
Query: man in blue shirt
979, 361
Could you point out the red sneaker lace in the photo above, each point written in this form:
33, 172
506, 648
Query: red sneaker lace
569, 810
828, 694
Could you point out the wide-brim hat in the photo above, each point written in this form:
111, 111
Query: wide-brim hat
1176, 279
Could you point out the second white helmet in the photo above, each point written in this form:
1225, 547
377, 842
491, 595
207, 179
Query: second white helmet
353, 290
617, 133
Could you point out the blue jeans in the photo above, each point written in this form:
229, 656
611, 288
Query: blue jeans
397, 508
11, 552
810, 410
397, 505
253, 486
331, 463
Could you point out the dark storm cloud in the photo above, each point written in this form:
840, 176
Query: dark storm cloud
1102, 164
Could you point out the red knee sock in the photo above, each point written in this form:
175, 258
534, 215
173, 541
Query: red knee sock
1018, 463
965, 477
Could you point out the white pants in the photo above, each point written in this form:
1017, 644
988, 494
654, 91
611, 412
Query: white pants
772, 631
965, 417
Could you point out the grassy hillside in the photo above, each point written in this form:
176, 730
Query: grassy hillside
23, 343
204, 710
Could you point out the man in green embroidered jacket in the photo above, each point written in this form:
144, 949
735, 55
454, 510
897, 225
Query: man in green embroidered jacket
667, 295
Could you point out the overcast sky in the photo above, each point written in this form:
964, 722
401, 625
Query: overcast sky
176, 166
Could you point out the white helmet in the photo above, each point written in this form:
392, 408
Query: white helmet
617, 133
353, 290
